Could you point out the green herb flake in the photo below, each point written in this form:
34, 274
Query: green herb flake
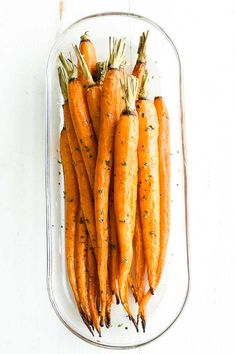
120, 325
108, 163
124, 163
150, 127
100, 191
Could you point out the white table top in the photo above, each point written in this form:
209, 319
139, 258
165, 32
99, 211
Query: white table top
205, 34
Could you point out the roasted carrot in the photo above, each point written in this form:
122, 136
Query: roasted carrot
92, 91
92, 287
88, 51
114, 246
139, 259
140, 65
108, 304
71, 208
81, 120
108, 117
84, 186
81, 247
71, 198
125, 186
148, 181
164, 176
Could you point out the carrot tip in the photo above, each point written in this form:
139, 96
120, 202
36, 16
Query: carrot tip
143, 323
101, 321
117, 300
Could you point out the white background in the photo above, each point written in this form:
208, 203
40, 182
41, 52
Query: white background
205, 34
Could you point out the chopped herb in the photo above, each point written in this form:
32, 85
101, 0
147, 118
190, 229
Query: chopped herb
123, 221
61, 226
90, 156
81, 141
87, 148
120, 325
145, 163
59, 162
108, 163
87, 221
81, 221
150, 127
124, 163
100, 219
59, 173
100, 191
143, 115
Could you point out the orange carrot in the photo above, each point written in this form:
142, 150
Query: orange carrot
71, 208
92, 287
108, 117
81, 120
164, 175
93, 90
81, 246
140, 66
139, 259
88, 51
125, 186
71, 199
148, 185
114, 246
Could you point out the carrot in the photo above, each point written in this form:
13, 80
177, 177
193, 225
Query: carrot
114, 246
140, 66
148, 181
81, 120
164, 175
71, 208
87, 49
108, 304
125, 186
108, 117
92, 287
139, 259
71, 198
84, 186
92, 91
81, 246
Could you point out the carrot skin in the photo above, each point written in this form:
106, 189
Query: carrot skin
164, 176
81, 248
86, 197
87, 49
125, 195
108, 116
148, 186
83, 127
71, 208
114, 246
93, 95
92, 287
139, 259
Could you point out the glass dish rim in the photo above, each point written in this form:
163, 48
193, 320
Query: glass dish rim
47, 179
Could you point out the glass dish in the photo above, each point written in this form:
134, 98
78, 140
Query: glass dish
165, 70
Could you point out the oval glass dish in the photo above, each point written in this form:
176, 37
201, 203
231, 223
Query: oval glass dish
165, 72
